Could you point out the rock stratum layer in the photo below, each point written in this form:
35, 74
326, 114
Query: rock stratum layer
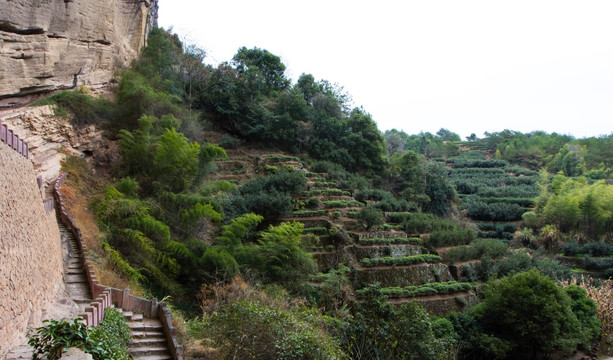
48, 45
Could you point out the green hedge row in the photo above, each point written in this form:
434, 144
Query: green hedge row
342, 203
329, 192
385, 241
325, 184
278, 158
449, 287
309, 213
403, 260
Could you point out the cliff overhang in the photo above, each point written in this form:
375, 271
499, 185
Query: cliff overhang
48, 45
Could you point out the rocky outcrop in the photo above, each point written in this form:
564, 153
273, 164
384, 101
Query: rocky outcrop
51, 138
47, 45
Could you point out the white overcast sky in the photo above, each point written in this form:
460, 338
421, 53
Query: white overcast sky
468, 66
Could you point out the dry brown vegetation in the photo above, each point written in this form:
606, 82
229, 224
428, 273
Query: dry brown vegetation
80, 186
602, 294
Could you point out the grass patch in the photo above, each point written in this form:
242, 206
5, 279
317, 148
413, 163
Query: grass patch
81, 108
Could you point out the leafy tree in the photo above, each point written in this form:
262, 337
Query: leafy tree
549, 326
365, 143
175, 161
380, 330
282, 257
439, 190
448, 135
395, 141
570, 160
270, 197
370, 216
137, 97
263, 71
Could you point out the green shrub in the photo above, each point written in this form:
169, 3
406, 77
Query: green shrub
449, 287
491, 248
325, 184
598, 264
389, 227
465, 163
420, 223
385, 241
403, 260
342, 203
501, 326
312, 203
370, 216
84, 109
248, 329
280, 158
388, 331
316, 230
269, 196
107, 341
599, 248
228, 142
398, 217
327, 192
498, 211
441, 238
309, 213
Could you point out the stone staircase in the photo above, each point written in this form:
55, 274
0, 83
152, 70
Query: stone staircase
20, 352
74, 270
148, 339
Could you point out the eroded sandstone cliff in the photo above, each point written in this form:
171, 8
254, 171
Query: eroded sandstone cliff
47, 45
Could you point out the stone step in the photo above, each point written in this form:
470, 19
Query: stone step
154, 334
21, 352
151, 357
149, 341
130, 316
148, 350
76, 278
79, 271
147, 325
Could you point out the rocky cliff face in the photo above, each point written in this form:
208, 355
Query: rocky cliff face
47, 45
51, 138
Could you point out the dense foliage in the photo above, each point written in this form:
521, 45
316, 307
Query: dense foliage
168, 226
108, 340
558, 320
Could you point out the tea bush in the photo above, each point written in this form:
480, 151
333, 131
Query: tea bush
403, 260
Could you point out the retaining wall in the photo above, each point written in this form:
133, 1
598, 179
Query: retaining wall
31, 270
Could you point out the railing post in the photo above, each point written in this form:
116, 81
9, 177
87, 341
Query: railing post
125, 299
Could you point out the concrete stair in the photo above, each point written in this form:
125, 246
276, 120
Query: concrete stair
74, 270
20, 352
148, 339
